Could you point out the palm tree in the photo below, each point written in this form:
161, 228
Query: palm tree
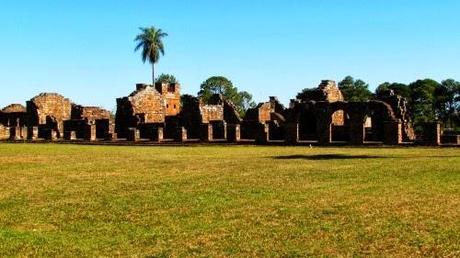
150, 40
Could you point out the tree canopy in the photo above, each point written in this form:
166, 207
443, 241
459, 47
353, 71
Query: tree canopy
166, 78
221, 85
354, 90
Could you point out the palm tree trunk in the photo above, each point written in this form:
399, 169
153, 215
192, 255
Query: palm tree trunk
153, 74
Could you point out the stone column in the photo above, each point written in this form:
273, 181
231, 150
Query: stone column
292, 133
233, 132
133, 135
392, 133
262, 136
70, 135
181, 135
206, 132
24, 133
90, 132
323, 130
53, 135
15, 133
33, 133
357, 133
225, 129
432, 133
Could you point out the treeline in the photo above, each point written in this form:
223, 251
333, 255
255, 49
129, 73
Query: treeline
428, 100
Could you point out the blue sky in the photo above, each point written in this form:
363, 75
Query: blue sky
84, 49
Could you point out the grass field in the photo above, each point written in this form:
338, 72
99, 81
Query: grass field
218, 201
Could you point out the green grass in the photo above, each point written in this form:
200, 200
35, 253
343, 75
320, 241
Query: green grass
219, 201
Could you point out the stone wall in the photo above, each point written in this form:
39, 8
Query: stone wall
171, 95
144, 105
4, 132
49, 109
13, 115
14, 108
90, 113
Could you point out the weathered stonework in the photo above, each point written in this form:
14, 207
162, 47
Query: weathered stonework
13, 115
208, 122
158, 113
49, 111
147, 105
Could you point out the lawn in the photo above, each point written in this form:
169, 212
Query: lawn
220, 201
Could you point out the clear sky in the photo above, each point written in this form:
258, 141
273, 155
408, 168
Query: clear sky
85, 49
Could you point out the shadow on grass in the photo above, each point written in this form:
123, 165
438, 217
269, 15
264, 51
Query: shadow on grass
328, 157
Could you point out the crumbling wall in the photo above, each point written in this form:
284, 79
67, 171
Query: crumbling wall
401, 111
171, 95
13, 115
49, 110
90, 113
144, 106
210, 113
4, 132
268, 115
82, 119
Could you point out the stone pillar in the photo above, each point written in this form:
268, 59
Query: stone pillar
159, 134
233, 133
90, 132
292, 133
53, 135
206, 132
111, 135
24, 133
133, 135
324, 132
181, 135
70, 135
225, 130
33, 133
392, 133
15, 133
431, 133
357, 133
262, 136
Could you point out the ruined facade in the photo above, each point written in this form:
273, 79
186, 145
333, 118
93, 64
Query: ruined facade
217, 120
159, 113
147, 108
89, 123
48, 111
13, 115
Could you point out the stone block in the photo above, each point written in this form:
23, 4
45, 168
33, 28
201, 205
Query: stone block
263, 132
392, 133
90, 132
431, 133
292, 133
133, 135
206, 132
233, 132
33, 133
70, 135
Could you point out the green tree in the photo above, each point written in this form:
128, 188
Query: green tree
423, 100
221, 85
400, 89
166, 78
354, 90
150, 40
447, 100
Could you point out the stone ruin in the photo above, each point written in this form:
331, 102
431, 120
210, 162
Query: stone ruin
216, 121
158, 113
148, 112
50, 116
89, 123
